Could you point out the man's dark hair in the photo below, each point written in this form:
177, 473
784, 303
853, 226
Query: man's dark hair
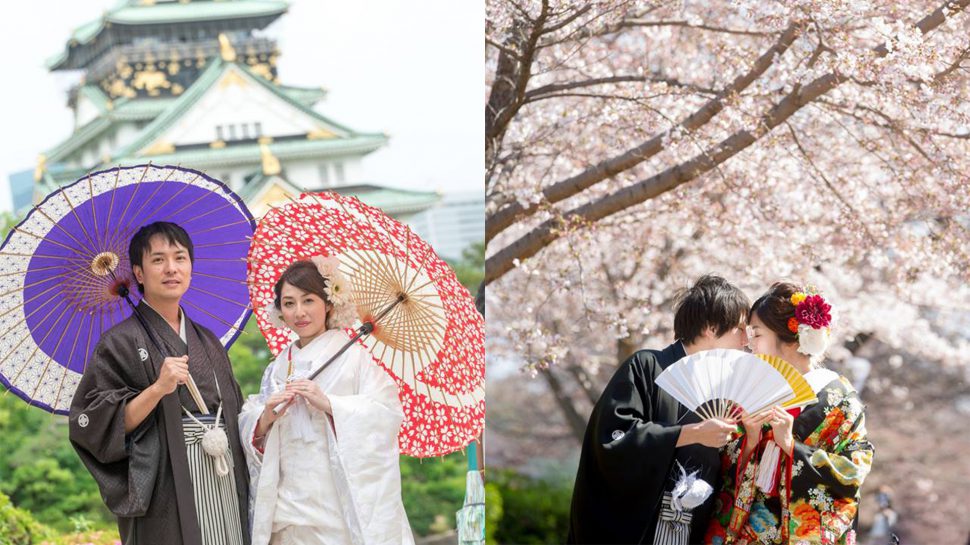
711, 302
141, 243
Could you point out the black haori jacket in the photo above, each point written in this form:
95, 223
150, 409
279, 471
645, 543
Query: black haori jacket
144, 476
629, 453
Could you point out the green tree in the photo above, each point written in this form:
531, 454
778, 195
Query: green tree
433, 490
470, 269
249, 356
532, 510
17, 526
40, 471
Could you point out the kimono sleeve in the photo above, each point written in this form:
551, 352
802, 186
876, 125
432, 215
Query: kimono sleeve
630, 448
125, 466
365, 430
374, 414
832, 471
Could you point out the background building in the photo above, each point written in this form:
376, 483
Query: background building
195, 83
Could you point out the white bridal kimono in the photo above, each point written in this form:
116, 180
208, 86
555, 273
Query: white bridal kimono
317, 483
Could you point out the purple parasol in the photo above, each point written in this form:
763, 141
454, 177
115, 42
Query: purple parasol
61, 267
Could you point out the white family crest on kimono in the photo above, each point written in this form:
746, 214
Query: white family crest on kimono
318, 475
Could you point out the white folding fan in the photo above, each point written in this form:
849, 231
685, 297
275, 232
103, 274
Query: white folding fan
713, 383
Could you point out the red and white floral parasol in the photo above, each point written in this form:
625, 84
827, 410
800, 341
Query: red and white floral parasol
432, 342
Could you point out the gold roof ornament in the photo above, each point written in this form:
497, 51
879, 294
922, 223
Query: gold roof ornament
159, 148
41, 167
226, 49
320, 133
271, 165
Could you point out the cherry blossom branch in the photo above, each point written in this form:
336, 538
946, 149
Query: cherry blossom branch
511, 79
550, 230
632, 23
564, 189
838, 195
547, 90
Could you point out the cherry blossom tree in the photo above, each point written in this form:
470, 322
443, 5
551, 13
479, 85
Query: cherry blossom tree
632, 146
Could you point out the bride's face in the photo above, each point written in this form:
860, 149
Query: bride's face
761, 339
303, 312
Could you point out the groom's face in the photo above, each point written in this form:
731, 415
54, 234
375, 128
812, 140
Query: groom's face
735, 338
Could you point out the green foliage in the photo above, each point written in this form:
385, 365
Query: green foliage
433, 489
493, 512
17, 526
531, 510
249, 356
85, 537
40, 471
471, 268
7, 222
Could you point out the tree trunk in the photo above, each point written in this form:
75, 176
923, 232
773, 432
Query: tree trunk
575, 421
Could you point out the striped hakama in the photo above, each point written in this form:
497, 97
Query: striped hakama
215, 497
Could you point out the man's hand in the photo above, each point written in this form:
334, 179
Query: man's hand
713, 433
174, 371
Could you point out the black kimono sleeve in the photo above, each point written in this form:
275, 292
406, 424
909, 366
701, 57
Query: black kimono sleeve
632, 449
628, 450
125, 466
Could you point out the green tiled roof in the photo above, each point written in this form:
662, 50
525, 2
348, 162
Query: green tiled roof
165, 111
205, 80
137, 13
308, 96
205, 157
79, 138
139, 109
96, 96
392, 200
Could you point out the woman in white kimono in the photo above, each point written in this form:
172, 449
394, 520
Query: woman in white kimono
325, 470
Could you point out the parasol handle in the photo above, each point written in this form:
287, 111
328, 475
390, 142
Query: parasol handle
190, 384
365, 329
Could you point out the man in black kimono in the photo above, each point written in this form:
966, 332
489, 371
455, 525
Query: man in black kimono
126, 419
637, 433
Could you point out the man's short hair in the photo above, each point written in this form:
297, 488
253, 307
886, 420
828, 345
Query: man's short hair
711, 302
141, 243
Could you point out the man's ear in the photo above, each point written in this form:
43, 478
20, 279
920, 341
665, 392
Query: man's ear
138, 272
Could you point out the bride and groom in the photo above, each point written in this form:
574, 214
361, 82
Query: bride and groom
651, 471
308, 460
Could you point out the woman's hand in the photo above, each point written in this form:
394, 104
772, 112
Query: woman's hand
753, 423
311, 392
268, 417
781, 423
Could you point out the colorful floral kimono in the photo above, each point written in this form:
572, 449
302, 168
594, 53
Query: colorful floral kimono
814, 495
